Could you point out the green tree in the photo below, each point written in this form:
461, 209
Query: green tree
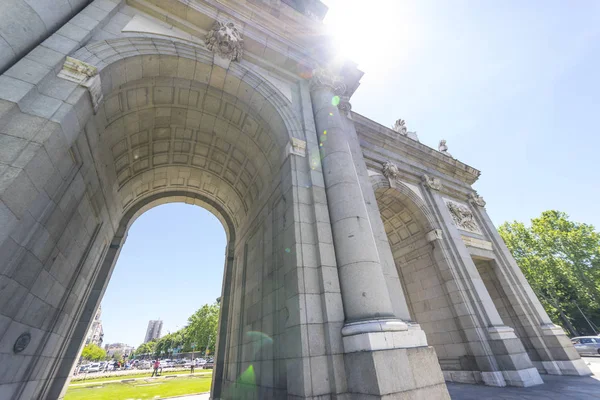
146, 348
561, 260
202, 327
92, 352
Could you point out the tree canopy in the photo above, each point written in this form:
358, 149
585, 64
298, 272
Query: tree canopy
93, 352
561, 260
146, 348
201, 332
202, 327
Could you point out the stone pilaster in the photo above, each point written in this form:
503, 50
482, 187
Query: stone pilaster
499, 353
556, 354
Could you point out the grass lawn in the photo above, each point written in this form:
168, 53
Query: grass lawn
135, 376
141, 389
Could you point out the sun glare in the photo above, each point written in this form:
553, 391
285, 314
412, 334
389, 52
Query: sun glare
372, 33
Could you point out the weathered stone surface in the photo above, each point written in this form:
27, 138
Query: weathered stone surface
352, 275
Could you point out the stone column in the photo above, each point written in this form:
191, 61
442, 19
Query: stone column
364, 291
383, 357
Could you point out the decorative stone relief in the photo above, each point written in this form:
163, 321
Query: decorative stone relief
22, 342
322, 77
443, 148
225, 40
297, 147
390, 170
345, 106
432, 182
86, 75
462, 216
400, 127
476, 199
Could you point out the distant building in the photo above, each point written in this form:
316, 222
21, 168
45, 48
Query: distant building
95, 334
154, 330
118, 348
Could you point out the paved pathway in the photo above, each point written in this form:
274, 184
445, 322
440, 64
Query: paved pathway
554, 388
204, 396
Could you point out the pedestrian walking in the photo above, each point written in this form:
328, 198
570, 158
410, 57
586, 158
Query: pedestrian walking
156, 366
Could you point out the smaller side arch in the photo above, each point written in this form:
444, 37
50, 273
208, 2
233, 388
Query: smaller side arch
411, 200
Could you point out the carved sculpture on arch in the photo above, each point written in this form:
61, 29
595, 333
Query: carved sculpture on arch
462, 216
432, 182
225, 40
390, 170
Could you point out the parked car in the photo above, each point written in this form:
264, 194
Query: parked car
200, 361
166, 363
145, 364
94, 367
586, 344
208, 365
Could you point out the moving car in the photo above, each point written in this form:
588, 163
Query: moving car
587, 344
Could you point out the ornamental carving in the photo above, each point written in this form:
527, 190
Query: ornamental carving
324, 78
344, 105
400, 127
443, 148
390, 170
476, 199
432, 182
225, 40
86, 75
463, 217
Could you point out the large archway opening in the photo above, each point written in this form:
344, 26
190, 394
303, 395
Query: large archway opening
161, 302
173, 127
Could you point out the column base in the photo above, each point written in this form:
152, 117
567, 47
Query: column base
381, 335
516, 368
395, 373
559, 345
572, 367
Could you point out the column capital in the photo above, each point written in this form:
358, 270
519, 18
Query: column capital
325, 78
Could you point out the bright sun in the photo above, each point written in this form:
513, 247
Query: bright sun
372, 32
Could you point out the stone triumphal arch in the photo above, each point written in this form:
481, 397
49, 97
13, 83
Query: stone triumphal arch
360, 262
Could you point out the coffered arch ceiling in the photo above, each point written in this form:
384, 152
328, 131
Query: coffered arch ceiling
403, 224
162, 134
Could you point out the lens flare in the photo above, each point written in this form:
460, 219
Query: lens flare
335, 101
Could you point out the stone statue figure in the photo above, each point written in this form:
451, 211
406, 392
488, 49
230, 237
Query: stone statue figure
443, 148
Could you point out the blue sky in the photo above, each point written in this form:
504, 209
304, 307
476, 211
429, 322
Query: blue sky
513, 86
